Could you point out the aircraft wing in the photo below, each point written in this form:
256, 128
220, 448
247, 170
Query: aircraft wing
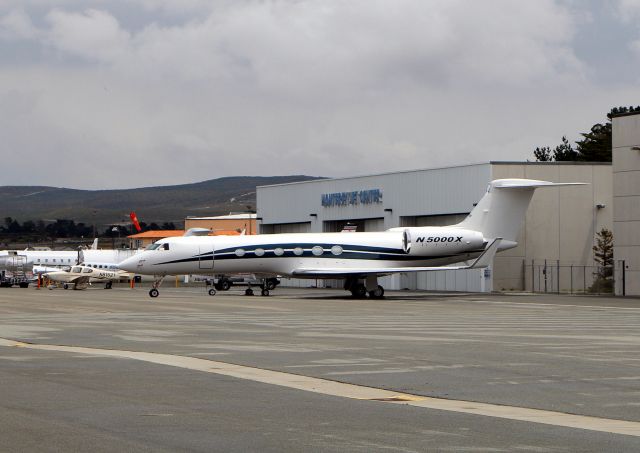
80, 280
482, 261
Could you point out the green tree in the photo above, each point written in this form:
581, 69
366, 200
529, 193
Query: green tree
542, 154
595, 145
565, 152
603, 250
603, 255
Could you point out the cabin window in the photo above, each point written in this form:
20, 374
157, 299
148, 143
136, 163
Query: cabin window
298, 251
240, 252
87, 270
46, 260
317, 250
336, 250
259, 252
278, 251
54, 260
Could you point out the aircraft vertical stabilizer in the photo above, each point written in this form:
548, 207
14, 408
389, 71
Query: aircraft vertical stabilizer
501, 210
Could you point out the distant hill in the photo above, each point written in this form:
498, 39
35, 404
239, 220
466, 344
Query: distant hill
151, 204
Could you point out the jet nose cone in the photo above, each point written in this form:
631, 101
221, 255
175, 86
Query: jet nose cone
130, 264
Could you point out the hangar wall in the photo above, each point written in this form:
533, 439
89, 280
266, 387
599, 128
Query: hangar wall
626, 200
560, 223
410, 197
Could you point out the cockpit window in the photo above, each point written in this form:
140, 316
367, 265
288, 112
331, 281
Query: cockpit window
159, 246
87, 270
76, 269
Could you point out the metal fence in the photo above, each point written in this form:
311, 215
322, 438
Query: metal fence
552, 276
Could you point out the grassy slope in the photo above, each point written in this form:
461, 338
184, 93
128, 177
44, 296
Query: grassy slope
151, 204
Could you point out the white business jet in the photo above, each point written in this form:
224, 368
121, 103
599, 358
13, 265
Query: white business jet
358, 258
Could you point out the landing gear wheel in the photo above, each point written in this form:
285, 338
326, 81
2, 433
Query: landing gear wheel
248, 292
265, 292
224, 285
270, 284
153, 292
377, 293
212, 292
359, 291
108, 285
65, 286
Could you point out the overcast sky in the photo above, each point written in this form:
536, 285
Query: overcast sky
112, 94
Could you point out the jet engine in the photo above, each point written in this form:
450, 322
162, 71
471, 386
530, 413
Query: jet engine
437, 241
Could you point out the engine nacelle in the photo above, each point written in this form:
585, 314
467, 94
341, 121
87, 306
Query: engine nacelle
439, 241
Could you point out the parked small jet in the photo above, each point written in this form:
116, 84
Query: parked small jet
44, 260
358, 258
81, 276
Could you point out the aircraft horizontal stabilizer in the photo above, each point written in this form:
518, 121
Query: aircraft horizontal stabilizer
483, 260
531, 184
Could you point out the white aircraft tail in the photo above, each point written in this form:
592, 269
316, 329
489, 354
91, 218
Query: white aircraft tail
500, 212
94, 244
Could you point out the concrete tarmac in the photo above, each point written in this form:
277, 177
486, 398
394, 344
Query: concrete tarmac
560, 354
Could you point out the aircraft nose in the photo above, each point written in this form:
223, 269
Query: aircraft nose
130, 264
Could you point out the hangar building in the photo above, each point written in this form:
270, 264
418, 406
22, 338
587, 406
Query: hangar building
559, 228
626, 200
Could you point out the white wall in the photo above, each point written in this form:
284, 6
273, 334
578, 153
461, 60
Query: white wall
560, 223
626, 200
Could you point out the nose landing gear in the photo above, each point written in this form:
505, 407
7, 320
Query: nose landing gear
153, 292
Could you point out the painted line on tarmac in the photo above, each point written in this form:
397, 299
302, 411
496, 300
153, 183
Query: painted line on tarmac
332, 388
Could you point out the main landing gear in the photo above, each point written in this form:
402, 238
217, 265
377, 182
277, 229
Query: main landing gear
360, 289
264, 289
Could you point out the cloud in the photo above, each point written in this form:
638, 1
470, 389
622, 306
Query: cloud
628, 10
92, 34
17, 25
197, 89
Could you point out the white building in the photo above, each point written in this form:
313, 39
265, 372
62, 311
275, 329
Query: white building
626, 201
560, 224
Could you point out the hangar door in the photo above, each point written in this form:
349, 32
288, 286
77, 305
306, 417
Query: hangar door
361, 225
276, 228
